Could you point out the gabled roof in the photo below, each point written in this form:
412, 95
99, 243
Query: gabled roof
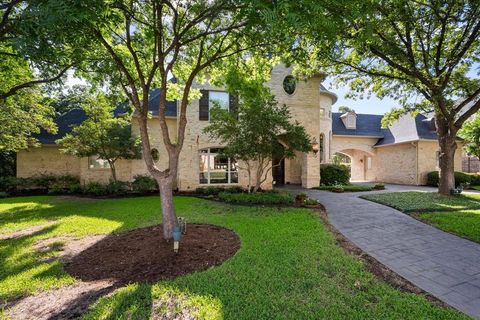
76, 116
405, 129
367, 125
408, 128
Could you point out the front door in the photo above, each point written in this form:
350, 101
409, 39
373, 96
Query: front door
278, 172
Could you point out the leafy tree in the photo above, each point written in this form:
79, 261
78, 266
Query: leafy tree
252, 136
137, 45
8, 163
422, 53
102, 134
471, 133
345, 109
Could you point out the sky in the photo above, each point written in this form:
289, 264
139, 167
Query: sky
373, 105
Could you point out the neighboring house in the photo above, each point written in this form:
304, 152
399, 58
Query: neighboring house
404, 153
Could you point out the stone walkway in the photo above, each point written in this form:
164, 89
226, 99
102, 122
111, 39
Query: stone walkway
445, 265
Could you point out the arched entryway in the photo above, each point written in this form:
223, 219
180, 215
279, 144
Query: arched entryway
278, 168
362, 164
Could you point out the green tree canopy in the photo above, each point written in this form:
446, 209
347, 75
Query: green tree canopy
102, 134
425, 54
471, 133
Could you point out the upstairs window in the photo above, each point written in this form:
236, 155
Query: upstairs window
209, 99
289, 85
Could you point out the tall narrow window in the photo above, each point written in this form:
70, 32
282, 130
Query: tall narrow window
216, 168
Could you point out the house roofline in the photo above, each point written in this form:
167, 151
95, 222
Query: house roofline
355, 136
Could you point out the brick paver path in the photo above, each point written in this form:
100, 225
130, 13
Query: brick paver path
440, 263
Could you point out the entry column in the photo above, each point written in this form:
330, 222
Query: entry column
310, 170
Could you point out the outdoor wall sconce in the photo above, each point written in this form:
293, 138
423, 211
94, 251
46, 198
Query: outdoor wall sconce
315, 146
177, 235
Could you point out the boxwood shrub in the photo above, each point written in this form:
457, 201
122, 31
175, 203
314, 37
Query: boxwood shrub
144, 183
332, 174
265, 198
347, 187
460, 178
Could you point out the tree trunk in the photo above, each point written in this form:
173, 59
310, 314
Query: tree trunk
169, 218
113, 170
448, 146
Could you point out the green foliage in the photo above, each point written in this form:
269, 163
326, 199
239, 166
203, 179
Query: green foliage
470, 132
379, 186
310, 202
213, 191
258, 198
102, 134
144, 183
413, 201
460, 178
474, 179
8, 183
331, 174
345, 109
346, 187
252, 135
95, 189
290, 247
8, 164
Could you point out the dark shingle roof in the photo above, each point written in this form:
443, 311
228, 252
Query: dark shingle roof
367, 125
405, 129
77, 116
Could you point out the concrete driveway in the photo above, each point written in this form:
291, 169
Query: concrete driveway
440, 263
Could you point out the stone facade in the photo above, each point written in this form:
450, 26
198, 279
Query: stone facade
310, 104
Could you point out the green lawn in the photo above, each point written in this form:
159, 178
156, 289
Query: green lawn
288, 267
458, 214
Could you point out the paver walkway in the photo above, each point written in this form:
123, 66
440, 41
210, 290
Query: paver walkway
443, 264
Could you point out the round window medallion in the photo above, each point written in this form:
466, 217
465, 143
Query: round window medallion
289, 84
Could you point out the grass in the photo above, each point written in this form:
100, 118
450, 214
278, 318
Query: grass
459, 214
347, 188
289, 266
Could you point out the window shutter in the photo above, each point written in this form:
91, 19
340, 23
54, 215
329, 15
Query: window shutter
233, 104
203, 106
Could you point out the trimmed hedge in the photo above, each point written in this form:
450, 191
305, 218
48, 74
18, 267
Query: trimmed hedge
213, 191
347, 188
143, 184
332, 174
433, 178
262, 198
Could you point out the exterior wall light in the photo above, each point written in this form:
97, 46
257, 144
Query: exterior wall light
315, 146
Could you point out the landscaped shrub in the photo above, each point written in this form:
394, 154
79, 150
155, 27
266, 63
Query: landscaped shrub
209, 191
117, 187
8, 184
42, 181
460, 178
95, 188
379, 186
331, 174
62, 184
266, 198
143, 183
311, 202
346, 188
474, 179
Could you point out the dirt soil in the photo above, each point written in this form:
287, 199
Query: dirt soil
142, 255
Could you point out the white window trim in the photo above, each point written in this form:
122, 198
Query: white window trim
229, 177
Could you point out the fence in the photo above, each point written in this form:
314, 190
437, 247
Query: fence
470, 164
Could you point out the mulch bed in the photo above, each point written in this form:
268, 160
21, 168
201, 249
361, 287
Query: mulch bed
142, 255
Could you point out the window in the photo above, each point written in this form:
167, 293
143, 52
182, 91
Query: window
289, 84
437, 159
95, 162
216, 168
217, 98
322, 112
369, 163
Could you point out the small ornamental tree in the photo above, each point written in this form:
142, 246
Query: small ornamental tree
252, 135
102, 134
471, 133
